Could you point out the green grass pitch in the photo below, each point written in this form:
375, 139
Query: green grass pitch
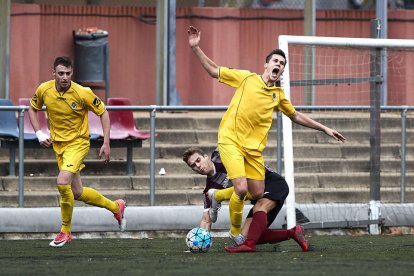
333, 255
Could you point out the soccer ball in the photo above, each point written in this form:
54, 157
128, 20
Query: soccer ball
199, 240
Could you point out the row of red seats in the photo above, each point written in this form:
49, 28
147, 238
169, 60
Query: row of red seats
122, 122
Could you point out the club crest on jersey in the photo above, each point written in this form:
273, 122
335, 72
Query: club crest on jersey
97, 102
274, 96
73, 105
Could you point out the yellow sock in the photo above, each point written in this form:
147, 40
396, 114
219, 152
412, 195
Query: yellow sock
66, 207
224, 194
236, 205
93, 197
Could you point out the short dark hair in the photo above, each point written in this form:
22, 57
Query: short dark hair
65, 61
276, 52
190, 151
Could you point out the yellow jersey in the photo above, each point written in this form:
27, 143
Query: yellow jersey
249, 115
67, 111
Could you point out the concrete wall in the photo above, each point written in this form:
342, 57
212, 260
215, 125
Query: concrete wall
231, 37
93, 219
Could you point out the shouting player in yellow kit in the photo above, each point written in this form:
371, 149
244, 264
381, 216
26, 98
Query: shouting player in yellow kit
242, 134
67, 106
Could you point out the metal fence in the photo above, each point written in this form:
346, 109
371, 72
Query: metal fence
152, 110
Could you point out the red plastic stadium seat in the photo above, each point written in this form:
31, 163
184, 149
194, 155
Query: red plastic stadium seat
41, 115
123, 123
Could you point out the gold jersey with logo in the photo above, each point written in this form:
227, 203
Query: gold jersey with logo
67, 111
249, 115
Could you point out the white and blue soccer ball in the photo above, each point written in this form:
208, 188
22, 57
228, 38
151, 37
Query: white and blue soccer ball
199, 240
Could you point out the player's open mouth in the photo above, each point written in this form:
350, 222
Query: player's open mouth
275, 72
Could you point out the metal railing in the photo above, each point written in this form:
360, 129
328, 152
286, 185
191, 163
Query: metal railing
152, 109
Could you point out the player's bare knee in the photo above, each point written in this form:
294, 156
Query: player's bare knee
65, 178
77, 192
256, 194
241, 194
241, 190
265, 205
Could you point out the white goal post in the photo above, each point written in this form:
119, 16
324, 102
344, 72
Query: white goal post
285, 43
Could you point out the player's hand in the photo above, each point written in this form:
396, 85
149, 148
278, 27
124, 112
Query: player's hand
194, 36
106, 151
44, 139
336, 135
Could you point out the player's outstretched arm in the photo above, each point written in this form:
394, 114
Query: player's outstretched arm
306, 121
194, 37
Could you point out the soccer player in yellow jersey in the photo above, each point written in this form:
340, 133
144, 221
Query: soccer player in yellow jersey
67, 106
243, 130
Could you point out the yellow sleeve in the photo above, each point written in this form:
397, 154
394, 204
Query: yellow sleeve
232, 77
37, 100
285, 105
93, 102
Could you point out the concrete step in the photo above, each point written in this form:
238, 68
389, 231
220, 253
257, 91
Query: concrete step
197, 182
211, 120
325, 170
45, 183
173, 151
302, 135
141, 167
311, 165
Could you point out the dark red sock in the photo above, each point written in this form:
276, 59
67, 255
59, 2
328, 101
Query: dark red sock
258, 226
274, 236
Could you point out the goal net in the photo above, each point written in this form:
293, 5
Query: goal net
358, 87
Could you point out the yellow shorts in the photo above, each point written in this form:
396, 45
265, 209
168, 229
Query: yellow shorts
240, 163
70, 155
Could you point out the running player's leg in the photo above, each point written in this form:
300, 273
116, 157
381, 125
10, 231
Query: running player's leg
66, 199
255, 173
276, 191
93, 197
236, 205
233, 160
